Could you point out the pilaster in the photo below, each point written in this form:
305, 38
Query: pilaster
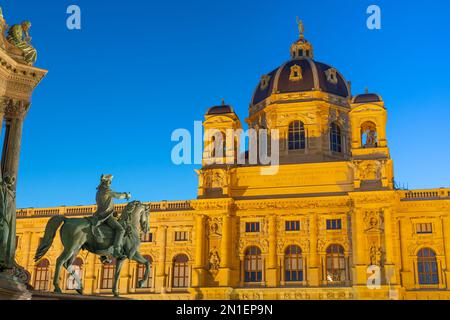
272, 275
161, 276
314, 268
198, 275
224, 276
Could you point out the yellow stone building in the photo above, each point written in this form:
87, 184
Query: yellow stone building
315, 230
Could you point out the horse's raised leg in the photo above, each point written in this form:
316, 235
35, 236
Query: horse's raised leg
119, 265
62, 259
69, 267
141, 260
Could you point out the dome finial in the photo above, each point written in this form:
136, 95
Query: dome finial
302, 48
301, 28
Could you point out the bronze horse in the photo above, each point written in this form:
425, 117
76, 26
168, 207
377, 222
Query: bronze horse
77, 234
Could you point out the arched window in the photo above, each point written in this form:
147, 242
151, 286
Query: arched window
77, 267
427, 267
108, 271
335, 262
141, 271
293, 264
335, 137
42, 276
253, 265
213, 146
218, 144
369, 136
180, 277
297, 136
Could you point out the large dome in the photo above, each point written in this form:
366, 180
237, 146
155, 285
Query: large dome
301, 74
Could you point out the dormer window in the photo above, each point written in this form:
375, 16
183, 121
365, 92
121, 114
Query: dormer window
296, 73
264, 82
332, 76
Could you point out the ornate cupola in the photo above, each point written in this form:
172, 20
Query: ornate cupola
302, 47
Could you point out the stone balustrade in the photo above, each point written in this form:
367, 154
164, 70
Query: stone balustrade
431, 194
89, 210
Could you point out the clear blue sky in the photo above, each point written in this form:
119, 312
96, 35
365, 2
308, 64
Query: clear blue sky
140, 69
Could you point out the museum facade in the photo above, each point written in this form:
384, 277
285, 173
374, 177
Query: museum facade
327, 224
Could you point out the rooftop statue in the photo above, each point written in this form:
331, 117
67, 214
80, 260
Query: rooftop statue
18, 36
120, 238
301, 27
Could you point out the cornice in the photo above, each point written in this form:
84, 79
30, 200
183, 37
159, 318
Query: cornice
213, 204
298, 203
387, 198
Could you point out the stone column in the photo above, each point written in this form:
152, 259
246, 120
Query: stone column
11, 152
160, 281
272, 266
224, 275
14, 113
314, 268
200, 239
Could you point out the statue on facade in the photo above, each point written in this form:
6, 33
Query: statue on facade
78, 234
7, 223
214, 261
105, 212
18, 36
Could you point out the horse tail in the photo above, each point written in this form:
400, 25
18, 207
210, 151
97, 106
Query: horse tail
50, 232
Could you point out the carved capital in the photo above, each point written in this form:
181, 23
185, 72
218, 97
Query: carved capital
3, 103
15, 108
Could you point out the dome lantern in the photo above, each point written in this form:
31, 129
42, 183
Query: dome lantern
302, 47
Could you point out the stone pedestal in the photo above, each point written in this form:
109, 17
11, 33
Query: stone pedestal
13, 289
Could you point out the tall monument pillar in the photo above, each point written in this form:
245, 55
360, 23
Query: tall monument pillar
15, 112
18, 79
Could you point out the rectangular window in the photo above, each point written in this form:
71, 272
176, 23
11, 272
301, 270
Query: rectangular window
147, 237
252, 227
181, 236
334, 224
424, 228
292, 225
107, 279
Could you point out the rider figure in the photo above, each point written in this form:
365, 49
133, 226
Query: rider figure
105, 211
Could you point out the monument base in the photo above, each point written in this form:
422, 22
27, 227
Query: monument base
12, 289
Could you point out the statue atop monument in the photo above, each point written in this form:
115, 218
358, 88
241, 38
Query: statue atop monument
19, 36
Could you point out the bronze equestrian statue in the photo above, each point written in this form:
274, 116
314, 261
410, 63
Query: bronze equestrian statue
120, 238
